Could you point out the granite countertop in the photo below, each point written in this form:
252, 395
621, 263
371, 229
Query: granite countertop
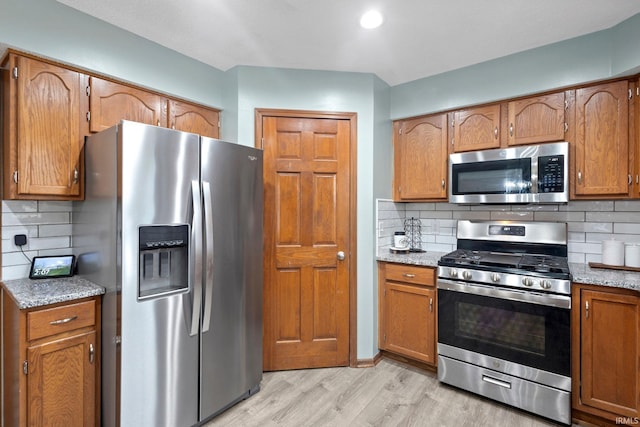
581, 273
427, 259
29, 293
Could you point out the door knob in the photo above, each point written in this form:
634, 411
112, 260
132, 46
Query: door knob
340, 256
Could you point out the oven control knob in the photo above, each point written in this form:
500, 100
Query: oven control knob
545, 284
495, 277
466, 275
453, 272
527, 281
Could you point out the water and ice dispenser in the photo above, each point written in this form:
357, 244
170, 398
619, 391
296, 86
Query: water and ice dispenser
163, 260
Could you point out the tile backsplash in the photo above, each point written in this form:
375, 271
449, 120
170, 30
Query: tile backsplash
47, 226
588, 222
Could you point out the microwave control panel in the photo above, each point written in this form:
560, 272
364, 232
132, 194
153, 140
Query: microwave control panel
551, 174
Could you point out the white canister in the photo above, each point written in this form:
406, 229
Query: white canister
612, 252
400, 240
632, 255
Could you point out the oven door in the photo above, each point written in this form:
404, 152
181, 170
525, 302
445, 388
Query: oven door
526, 328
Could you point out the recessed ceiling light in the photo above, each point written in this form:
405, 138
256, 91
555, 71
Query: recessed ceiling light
371, 19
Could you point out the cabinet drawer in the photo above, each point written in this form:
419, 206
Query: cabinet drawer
60, 319
411, 274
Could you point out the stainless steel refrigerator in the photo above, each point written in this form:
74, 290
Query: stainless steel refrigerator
171, 226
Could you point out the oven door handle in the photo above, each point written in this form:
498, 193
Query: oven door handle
560, 301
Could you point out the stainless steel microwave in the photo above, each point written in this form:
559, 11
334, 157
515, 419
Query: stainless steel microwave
526, 174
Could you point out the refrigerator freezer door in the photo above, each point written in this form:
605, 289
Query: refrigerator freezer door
159, 357
231, 343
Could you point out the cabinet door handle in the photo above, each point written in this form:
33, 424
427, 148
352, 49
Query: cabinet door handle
431, 305
495, 132
63, 321
586, 308
443, 184
579, 177
630, 179
409, 275
76, 175
510, 129
91, 353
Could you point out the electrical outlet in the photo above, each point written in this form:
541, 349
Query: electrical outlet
20, 239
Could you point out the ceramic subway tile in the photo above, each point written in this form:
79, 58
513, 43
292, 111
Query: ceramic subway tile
592, 258
587, 206
559, 216
19, 206
627, 205
477, 215
51, 206
15, 272
55, 230
452, 207
50, 243
535, 208
590, 248
436, 214
17, 258
512, 215
590, 227
627, 228
576, 237
629, 216
35, 218
577, 257
422, 206
58, 251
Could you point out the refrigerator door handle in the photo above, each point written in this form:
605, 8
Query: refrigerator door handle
208, 219
196, 238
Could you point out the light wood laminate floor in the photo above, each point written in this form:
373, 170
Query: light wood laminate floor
389, 394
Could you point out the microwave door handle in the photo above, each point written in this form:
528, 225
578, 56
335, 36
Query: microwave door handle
208, 221
196, 238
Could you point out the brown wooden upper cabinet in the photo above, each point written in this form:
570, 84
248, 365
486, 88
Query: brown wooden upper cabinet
111, 102
601, 155
537, 119
43, 131
476, 128
420, 158
193, 118
49, 108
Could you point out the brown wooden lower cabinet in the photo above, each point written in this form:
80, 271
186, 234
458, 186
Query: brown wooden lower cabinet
407, 311
606, 354
51, 364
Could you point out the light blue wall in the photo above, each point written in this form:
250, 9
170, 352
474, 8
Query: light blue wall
596, 56
50, 29
335, 92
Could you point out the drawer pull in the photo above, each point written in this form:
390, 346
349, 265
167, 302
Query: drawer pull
409, 275
63, 321
496, 381
91, 353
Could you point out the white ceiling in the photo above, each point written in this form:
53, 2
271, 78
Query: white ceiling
418, 38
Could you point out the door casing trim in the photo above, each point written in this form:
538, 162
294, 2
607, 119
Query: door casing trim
260, 113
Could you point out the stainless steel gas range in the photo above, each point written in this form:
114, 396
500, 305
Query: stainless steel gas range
504, 303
